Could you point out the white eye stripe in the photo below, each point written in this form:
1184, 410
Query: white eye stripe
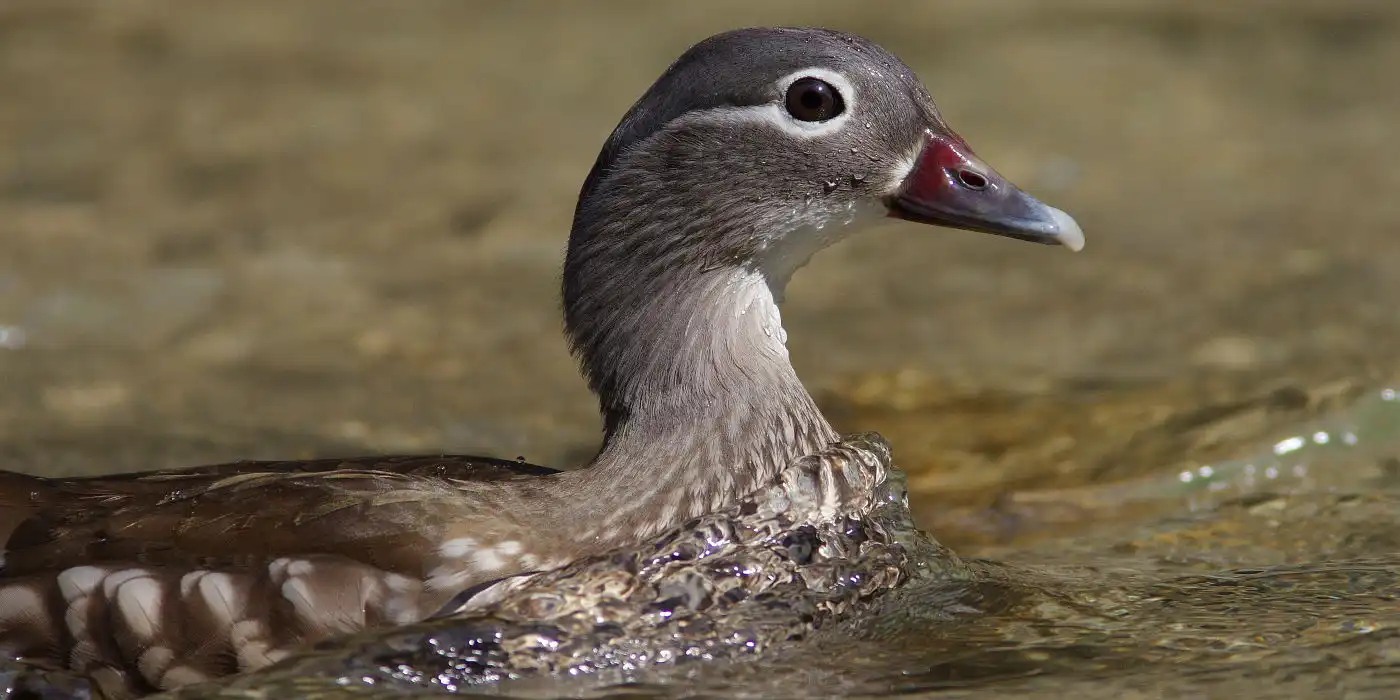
775, 113
771, 115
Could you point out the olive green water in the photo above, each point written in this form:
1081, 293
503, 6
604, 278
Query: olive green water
236, 229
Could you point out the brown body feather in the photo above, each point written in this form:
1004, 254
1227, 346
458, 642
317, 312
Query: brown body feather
158, 579
240, 514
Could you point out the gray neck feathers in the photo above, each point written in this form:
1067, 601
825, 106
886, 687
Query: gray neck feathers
684, 346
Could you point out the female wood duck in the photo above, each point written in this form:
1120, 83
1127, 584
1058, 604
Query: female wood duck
754, 150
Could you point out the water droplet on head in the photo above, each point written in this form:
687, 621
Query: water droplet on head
829, 186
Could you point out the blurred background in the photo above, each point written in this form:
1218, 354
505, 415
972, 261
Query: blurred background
253, 230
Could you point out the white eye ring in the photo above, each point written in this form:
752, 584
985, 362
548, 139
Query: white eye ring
837, 81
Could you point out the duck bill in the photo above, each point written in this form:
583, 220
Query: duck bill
950, 186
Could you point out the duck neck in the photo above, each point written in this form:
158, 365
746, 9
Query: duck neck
699, 400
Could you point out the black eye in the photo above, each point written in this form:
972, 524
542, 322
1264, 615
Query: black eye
814, 100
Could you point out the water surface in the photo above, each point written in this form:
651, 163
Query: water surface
251, 231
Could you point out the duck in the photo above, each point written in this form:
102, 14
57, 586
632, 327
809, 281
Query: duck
753, 151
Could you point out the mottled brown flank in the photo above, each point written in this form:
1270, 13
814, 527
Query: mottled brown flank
167, 578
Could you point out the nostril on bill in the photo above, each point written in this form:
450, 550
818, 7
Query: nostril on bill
971, 179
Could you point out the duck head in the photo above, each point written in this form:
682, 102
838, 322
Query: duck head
755, 149
759, 147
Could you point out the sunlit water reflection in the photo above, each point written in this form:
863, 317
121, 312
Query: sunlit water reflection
1348, 452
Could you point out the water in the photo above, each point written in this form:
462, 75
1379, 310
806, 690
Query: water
1277, 588
321, 228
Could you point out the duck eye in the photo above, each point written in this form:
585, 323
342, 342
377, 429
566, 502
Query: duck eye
813, 100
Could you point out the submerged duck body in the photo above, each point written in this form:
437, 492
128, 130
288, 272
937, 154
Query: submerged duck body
753, 151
